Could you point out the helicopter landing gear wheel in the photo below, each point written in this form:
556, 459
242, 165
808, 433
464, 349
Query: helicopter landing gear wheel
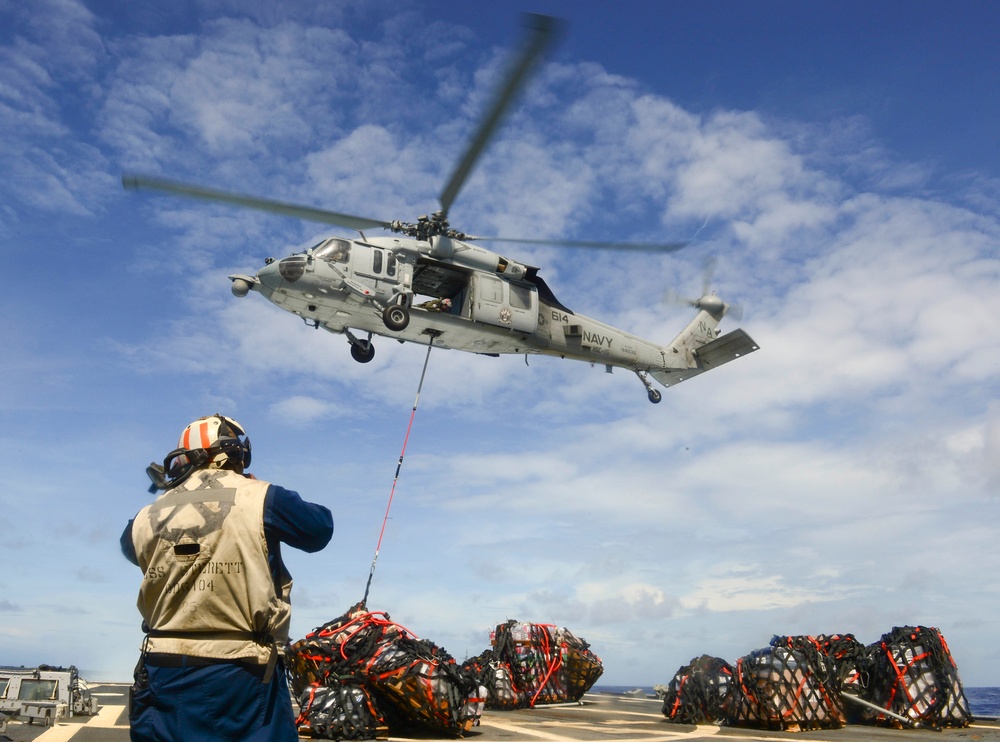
362, 351
653, 394
396, 317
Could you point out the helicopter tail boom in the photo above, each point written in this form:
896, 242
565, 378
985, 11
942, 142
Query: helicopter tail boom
723, 349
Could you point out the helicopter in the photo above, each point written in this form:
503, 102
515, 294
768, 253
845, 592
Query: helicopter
431, 285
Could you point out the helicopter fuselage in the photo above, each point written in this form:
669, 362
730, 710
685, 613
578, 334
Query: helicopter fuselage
463, 297
476, 300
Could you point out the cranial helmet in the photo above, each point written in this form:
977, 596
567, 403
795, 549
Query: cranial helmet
222, 437
213, 442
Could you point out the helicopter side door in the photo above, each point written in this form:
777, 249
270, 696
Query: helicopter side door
504, 303
376, 267
378, 264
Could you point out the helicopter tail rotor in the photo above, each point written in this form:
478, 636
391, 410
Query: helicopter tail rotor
707, 301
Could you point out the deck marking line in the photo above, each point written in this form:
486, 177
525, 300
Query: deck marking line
622, 713
61, 732
651, 736
648, 734
674, 736
106, 716
525, 730
612, 727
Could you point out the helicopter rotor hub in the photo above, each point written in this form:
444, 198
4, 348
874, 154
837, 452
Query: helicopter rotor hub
711, 304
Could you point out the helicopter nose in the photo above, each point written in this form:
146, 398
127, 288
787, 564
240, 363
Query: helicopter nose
269, 276
289, 270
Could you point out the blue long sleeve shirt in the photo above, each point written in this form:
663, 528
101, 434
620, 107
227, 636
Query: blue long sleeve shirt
288, 519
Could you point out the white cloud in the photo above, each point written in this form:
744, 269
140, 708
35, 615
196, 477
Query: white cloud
50, 50
990, 459
304, 410
751, 592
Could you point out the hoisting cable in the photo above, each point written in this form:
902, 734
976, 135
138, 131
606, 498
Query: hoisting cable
399, 466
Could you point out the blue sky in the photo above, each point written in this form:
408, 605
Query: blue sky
839, 160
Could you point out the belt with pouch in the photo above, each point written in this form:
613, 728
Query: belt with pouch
161, 659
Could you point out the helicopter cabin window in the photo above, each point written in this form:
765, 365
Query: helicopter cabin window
520, 296
334, 251
491, 289
383, 261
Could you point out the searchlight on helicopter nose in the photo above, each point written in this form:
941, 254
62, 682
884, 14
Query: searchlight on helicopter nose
241, 285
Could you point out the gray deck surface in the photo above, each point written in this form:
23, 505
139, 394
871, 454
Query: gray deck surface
606, 717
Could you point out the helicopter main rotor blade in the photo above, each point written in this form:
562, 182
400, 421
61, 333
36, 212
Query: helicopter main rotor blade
139, 182
632, 246
540, 30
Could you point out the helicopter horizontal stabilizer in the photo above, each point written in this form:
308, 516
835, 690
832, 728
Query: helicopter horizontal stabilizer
724, 349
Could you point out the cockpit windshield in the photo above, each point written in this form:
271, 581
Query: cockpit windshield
333, 250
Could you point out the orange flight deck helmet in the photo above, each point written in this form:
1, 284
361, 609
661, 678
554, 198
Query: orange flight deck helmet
212, 442
222, 437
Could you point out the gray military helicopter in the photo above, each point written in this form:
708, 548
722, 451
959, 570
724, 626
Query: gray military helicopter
433, 286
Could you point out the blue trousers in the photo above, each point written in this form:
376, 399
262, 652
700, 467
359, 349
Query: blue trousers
216, 702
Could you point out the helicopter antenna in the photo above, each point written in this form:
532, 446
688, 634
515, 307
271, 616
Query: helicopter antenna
399, 466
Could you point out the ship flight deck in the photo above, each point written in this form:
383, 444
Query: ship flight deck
598, 716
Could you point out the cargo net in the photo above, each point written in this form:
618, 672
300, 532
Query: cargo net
361, 675
696, 692
910, 673
343, 709
535, 663
790, 685
845, 651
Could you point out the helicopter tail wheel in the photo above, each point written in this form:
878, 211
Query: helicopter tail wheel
653, 394
362, 351
396, 317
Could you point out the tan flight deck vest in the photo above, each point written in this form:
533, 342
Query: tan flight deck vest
206, 589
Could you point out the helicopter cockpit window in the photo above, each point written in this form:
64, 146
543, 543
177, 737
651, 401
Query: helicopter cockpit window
334, 251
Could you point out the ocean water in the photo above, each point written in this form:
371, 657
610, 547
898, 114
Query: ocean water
983, 702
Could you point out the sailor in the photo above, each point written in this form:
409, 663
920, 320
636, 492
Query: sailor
437, 305
214, 596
